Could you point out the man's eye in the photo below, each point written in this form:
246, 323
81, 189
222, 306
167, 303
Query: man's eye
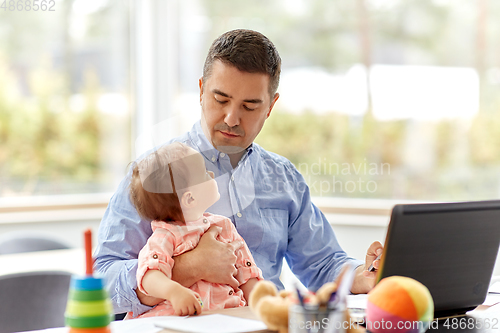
247, 108
221, 102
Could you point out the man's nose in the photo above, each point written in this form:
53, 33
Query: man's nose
232, 117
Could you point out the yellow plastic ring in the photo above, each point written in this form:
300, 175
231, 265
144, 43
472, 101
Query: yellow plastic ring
89, 308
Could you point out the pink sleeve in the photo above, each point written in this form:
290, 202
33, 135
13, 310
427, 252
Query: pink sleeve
156, 254
245, 264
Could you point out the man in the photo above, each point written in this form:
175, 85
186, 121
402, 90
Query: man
263, 193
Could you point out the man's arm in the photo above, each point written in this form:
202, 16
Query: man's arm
121, 236
313, 252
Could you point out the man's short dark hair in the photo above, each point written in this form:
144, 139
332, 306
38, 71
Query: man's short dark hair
249, 51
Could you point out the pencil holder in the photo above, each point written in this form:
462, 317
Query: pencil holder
89, 308
316, 320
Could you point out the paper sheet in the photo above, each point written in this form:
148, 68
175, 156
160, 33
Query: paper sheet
494, 288
215, 323
357, 301
139, 325
491, 313
491, 299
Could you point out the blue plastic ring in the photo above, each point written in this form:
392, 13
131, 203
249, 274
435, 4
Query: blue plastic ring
87, 283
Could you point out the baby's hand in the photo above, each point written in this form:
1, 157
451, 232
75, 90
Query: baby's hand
185, 302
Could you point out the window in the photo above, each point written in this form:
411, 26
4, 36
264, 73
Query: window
64, 97
384, 99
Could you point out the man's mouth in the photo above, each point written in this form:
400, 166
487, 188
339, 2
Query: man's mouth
229, 135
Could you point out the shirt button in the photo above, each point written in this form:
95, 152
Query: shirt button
222, 154
230, 292
232, 178
213, 158
205, 221
239, 214
249, 263
155, 256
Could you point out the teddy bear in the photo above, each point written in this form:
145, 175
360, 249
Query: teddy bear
272, 306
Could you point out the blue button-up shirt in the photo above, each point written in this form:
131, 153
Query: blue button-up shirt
266, 198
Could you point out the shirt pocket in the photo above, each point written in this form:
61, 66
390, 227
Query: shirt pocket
275, 232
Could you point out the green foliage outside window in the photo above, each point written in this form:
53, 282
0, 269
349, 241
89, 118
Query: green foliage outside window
42, 140
333, 147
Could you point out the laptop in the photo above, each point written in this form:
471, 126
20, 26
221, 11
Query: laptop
451, 248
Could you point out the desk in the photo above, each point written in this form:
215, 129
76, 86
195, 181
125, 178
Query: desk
72, 260
146, 325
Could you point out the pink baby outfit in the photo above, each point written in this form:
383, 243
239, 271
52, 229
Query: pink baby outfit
174, 238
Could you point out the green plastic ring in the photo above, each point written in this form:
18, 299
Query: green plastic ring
87, 295
88, 322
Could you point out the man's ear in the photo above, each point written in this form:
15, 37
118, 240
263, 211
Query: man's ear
187, 200
200, 84
276, 96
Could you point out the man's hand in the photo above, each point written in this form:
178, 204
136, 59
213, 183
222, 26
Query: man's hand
184, 301
364, 280
223, 269
211, 260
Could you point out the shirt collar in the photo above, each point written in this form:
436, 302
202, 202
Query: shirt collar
204, 146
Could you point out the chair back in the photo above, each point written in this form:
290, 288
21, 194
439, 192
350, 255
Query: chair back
19, 242
33, 300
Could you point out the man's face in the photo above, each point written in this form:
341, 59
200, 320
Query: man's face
234, 106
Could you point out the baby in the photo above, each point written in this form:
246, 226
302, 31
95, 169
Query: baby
172, 187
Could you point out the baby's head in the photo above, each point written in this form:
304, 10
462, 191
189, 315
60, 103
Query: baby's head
172, 184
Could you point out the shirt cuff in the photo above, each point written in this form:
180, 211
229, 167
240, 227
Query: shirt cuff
356, 264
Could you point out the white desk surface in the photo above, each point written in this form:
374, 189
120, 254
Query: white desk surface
146, 325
